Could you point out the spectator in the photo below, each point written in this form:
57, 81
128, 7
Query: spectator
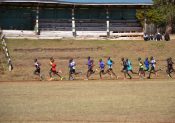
158, 36
146, 37
167, 36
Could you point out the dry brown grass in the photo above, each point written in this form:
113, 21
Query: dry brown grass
2, 61
88, 102
23, 61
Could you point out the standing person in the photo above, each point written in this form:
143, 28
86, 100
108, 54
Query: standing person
141, 68
170, 68
102, 68
146, 64
72, 70
37, 69
125, 70
53, 69
110, 70
153, 65
90, 70
129, 66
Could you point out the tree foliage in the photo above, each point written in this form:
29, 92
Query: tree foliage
162, 13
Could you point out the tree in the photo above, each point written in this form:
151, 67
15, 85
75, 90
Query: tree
162, 14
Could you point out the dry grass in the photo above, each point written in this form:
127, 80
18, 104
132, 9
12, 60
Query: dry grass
23, 61
2, 61
88, 102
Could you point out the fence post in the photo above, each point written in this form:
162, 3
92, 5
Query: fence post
6, 52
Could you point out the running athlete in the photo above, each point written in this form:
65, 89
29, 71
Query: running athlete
72, 70
37, 69
102, 68
153, 66
53, 69
146, 63
141, 68
129, 66
90, 70
110, 70
125, 70
170, 68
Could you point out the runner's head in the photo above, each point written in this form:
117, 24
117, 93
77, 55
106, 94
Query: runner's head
100, 60
151, 58
70, 60
139, 59
122, 59
35, 60
89, 57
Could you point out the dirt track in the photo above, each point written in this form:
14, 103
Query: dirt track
88, 101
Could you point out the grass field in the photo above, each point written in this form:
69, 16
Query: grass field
88, 102
23, 100
23, 53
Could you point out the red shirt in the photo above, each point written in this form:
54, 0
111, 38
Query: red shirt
54, 67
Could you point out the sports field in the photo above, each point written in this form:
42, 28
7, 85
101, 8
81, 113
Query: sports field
88, 102
24, 99
23, 53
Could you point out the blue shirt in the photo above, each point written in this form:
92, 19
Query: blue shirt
89, 64
102, 65
129, 66
109, 63
146, 63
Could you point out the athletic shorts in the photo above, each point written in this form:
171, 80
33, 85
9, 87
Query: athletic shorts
53, 71
141, 69
37, 70
170, 69
72, 71
90, 70
152, 68
102, 71
147, 69
110, 69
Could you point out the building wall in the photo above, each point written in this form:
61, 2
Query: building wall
17, 18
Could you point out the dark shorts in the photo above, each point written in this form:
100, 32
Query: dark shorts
152, 68
90, 70
110, 69
141, 69
170, 69
102, 71
124, 69
37, 70
147, 69
72, 71
53, 71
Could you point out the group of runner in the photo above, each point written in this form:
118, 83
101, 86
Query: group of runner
148, 65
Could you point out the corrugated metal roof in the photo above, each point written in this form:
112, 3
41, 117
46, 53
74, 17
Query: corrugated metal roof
89, 2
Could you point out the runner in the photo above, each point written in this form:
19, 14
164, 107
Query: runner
146, 64
170, 68
102, 68
125, 70
90, 70
153, 67
37, 69
72, 70
53, 69
129, 66
141, 69
110, 70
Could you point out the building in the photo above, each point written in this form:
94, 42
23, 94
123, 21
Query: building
72, 17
